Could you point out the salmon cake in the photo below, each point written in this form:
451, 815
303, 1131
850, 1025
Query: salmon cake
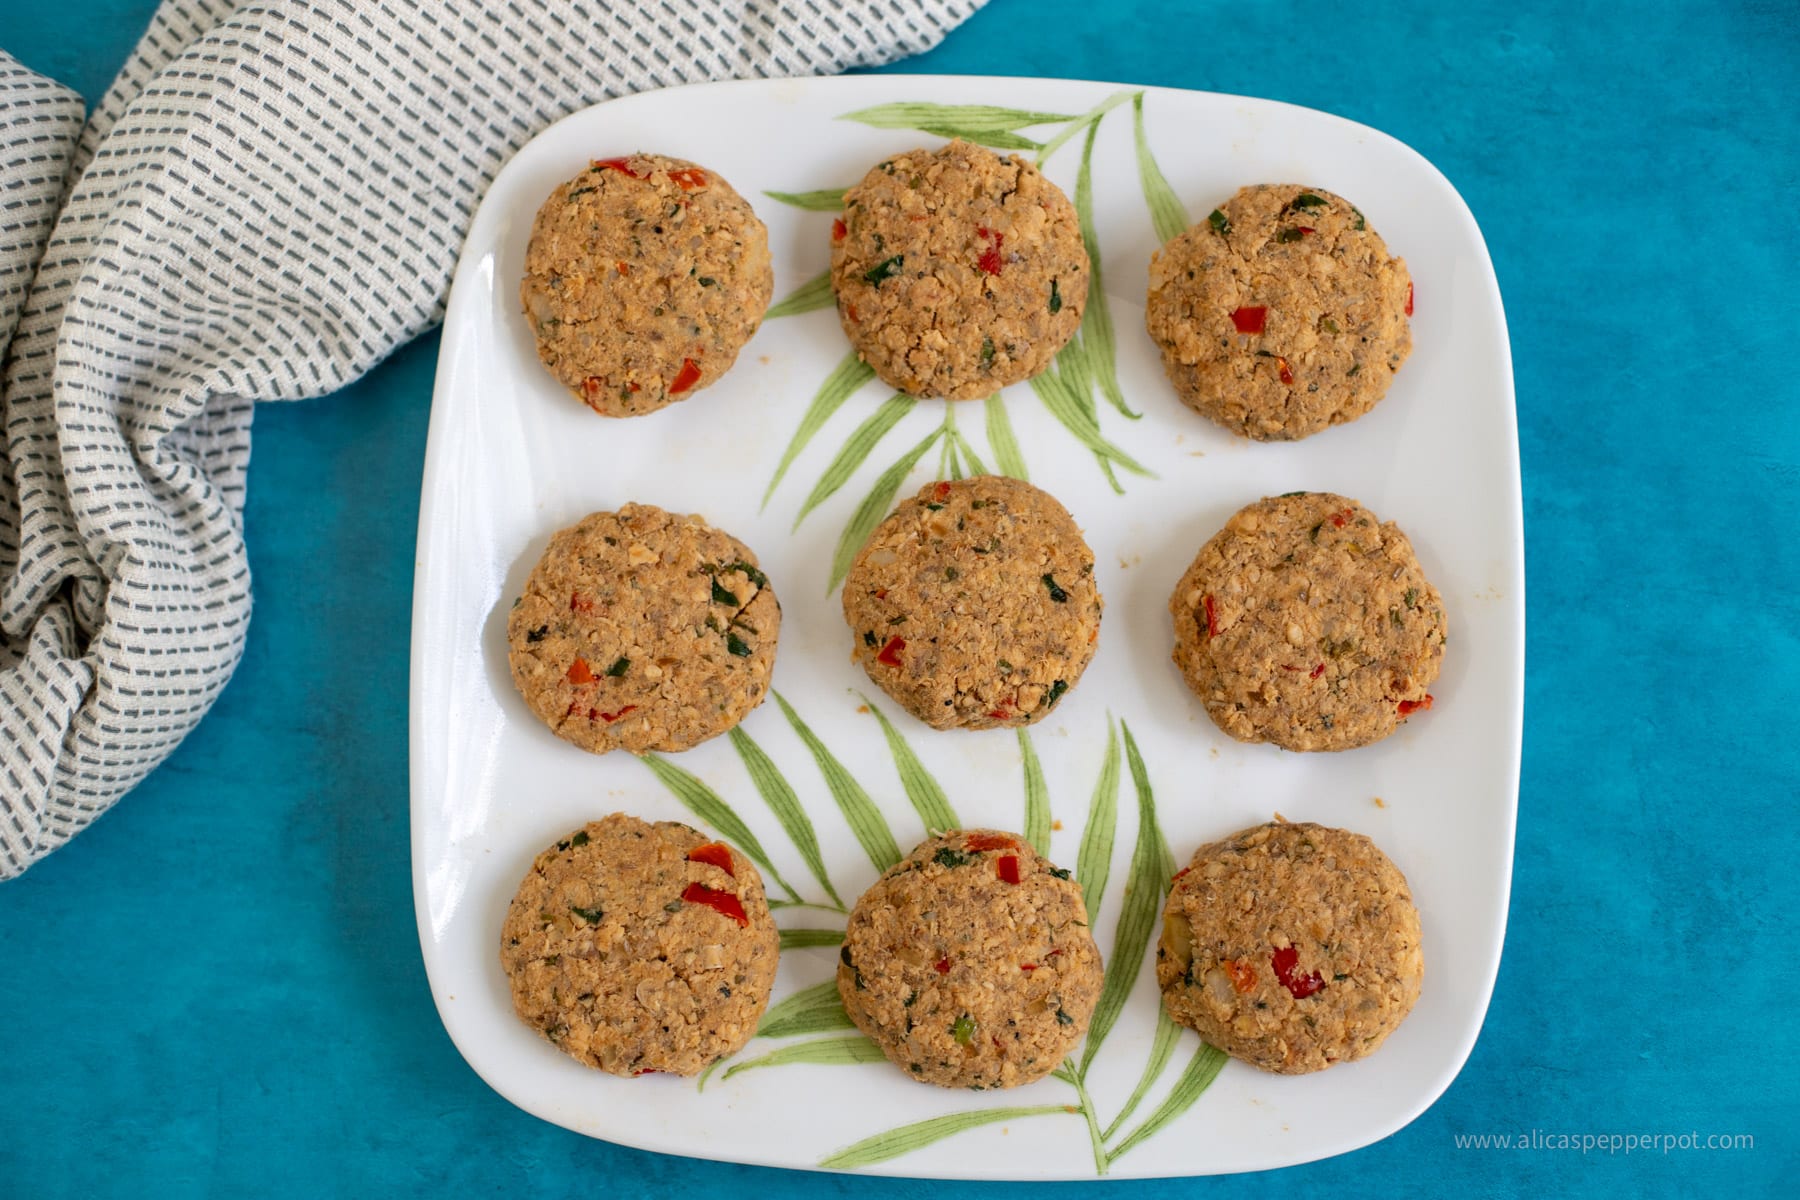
1308, 623
1281, 314
636, 947
958, 272
974, 604
644, 277
643, 630
1291, 947
970, 964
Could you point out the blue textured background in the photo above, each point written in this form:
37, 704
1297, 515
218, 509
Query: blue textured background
218, 990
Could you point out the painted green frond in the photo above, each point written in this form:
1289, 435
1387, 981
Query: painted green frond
1066, 408
984, 124
846, 378
782, 801
919, 1134
705, 804
1145, 887
1087, 121
927, 797
1002, 440
1096, 323
873, 508
1094, 861
810, 296
823, 200
856, 450
1201, 1070
842, 1051
801, 939
866, 822
1167, 215
1167, 1034
817, 1009
1037, 797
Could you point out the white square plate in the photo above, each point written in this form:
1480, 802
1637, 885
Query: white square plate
512, 458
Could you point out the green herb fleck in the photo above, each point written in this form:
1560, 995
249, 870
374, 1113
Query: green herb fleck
1063, 1018
1060, 872
580, 191
619, 667
949, 856
963, 1029
721, 596
1396, 618
590, 915
707, 281
987, 351
1328, 325
538, 634
1307, 200
1219, 224
1055, 693
1290, 234
1412, 597
887, 268
951, 573
1056, 592
580, 838
673, 906
1361, 223
1006, 668
911, 995
1285, 495
869, 638
1354, 369
1055, 298
738, 647
755, 576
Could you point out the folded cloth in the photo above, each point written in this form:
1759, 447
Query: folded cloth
267, 202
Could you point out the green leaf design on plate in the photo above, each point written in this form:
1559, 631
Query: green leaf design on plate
801, 939
826, 1052
1094, 861
856, 449
908, 1138
705, 804
1167, 1033
782, 801
1002, 440
814, 294
1087, 120
927, 797
1145, 886
1062, 388
823, 200
873, 508
1201, 1070
817, 1009
866, 821
1099, 345
984, 124
1037, 797
1167, 215
845, 379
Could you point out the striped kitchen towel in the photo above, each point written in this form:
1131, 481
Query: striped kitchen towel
267, 202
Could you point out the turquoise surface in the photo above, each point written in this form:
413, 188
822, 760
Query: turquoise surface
217, 990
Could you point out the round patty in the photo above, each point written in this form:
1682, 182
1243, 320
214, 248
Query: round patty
643, 630
1308, 623
957, 271
969, 962
1292, 947
1280, 314
974, 604
636, 947
644, 277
